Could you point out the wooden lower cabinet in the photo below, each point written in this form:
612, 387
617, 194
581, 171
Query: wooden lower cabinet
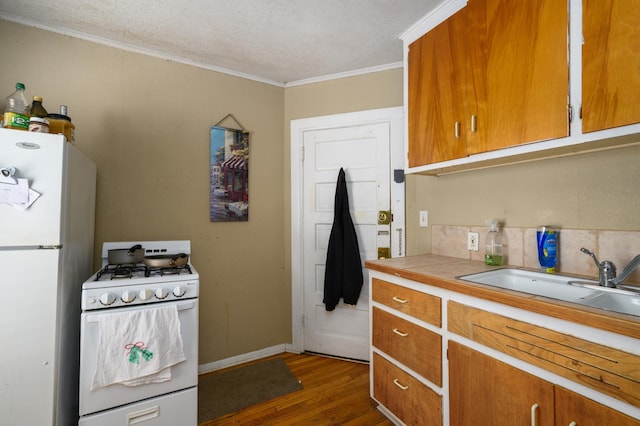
575, 409
607, 370
406, 397
485, 391
407, 365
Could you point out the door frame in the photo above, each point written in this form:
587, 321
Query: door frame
395, 117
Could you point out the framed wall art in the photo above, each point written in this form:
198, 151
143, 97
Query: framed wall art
229, 175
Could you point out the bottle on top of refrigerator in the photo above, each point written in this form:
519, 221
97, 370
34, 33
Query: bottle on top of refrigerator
37, 110
16, 112
493, 245
38, 121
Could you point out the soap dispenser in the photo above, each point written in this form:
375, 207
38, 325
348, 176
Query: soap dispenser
493, 245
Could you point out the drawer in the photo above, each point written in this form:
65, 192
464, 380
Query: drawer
419, 305
416, 347
610, 371
403, 395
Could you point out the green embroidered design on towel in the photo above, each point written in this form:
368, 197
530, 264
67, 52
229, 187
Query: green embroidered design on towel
135, 350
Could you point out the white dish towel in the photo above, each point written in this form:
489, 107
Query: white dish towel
138, 347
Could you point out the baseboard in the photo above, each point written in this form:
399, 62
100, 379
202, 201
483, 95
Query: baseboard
241, 359
341, 358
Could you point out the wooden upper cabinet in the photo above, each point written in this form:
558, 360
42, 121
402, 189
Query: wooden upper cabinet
610, 64
497, 71
520, 52
436, 68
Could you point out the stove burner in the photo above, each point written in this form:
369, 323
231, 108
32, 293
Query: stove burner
121, 273
174, 270
124, 270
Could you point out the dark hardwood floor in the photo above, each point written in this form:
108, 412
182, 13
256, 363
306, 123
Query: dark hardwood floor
335, 392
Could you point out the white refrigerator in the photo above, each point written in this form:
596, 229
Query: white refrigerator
46, 252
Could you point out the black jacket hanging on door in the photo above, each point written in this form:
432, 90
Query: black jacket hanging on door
343, 273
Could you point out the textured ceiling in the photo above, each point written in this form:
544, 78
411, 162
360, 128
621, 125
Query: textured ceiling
276, 41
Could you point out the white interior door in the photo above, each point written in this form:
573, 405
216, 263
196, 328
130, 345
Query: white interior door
362, 149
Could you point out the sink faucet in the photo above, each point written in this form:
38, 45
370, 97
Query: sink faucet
607, 270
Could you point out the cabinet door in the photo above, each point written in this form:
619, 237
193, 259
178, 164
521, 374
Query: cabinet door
485, 391
571, 407
610, 64
436, 68
518, 53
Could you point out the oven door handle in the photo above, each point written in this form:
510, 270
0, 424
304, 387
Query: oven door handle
181, 307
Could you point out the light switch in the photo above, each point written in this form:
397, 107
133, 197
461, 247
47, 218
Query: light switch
424, 218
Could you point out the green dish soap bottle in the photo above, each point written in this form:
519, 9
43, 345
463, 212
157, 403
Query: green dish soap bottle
493, 245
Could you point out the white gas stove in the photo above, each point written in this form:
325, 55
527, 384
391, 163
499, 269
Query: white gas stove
116, 286
138, 292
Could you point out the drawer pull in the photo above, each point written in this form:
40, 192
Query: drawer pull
143, 415
397, 299
573, 424
534, 411
400, 385
400, 333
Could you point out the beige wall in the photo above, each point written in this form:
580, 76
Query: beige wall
145, 122
593, 191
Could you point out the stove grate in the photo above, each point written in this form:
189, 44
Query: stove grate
129, 270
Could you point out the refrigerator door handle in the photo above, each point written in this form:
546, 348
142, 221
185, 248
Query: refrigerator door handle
35, 247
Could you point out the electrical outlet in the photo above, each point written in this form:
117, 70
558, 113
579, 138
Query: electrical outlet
424, 218
472, 241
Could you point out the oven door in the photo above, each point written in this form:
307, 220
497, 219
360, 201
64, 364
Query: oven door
183, 375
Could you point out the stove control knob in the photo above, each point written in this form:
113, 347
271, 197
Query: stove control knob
145, 294
107, 299
179, 291
161, 293
128, 296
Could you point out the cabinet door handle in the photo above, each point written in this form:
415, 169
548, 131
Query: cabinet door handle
397, 299
534, 412
400, 385
573, 424
474, 123
400, 333
456, 130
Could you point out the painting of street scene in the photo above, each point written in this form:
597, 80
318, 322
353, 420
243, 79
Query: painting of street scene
229, 175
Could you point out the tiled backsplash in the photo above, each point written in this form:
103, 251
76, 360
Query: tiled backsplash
521, 249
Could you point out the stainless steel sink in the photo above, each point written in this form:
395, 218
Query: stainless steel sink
624, 299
